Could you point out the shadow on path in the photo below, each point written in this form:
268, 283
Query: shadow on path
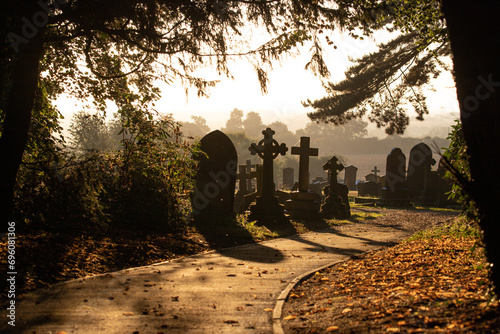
224, 232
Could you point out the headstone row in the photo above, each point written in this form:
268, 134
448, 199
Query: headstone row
217, 175
417, 184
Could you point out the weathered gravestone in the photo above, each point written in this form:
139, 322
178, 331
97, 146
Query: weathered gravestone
267, 209
433, 191
371, 178
337, 201
216, 177
419, 179
368, 188
395, 192
304, 204
350, 177
288, 178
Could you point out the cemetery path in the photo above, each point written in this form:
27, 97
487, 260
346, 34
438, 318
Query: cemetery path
232, 290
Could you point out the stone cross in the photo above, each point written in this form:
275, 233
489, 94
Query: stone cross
249, 167
258, 175
333, 167
375, 171
268, 149
336, 204
304, 152
242, 178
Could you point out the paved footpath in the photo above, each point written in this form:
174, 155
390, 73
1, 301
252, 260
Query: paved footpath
233, 290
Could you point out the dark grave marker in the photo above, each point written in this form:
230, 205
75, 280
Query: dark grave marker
304, 204
256, 191
288, 178
304, 151
375, 171
249, 167
370, 189
267, 209
216, 176
337, 201
419, 174
371, 178
242, 178
395, 192
350, 177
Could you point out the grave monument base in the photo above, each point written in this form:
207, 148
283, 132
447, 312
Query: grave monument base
303, 205
335, 208
266, 211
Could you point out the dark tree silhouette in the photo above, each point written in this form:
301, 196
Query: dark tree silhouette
381, 84
409, 61
475, 42
127, 45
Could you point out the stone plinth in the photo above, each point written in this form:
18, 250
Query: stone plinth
303, 205
266, 211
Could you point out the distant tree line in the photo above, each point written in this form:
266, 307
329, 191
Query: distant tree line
347, 139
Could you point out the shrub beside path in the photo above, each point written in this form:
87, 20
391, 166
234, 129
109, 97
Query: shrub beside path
224, 291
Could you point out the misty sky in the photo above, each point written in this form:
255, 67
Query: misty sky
289, 85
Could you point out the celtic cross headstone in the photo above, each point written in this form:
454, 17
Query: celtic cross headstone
267, 208
337, 202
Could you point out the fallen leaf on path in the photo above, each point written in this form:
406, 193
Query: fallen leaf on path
230, 321
290, 317
332, 328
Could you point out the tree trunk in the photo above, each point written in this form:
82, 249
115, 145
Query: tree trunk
25, 75
474, 34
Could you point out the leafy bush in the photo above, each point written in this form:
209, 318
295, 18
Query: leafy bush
141, 186
459, 171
